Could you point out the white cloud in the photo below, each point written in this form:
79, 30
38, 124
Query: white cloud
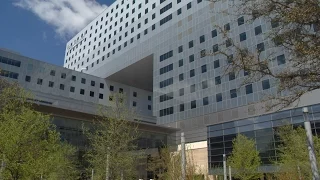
68, 17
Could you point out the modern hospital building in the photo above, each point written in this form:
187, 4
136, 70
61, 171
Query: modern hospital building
151, 51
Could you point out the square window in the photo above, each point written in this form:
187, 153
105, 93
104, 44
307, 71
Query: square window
83, 80
134, 94
181, 77
216, 64
228, 42
181, 92
39, 81
180, 49
192, 88
120, 90
51, 84
192, 73
189, 5
82, 91
191, 58
111, 88
243, 36
93, 83
72, 89
260, 47
204, 84
193, 104
214, 33
28, 79
257, 30
181, 107
240, 21
204, 68
101, 85
217, 80
202, 39
62, 86
63, 75
179, 11
232, 76
233, 93
249, 89
149, 98
149, 107
180, 62
281, 59
205, 101
153, 27
52, 72
100, 96
202, 53
215, 48
91, 94
134, 104
219, 97
265, 84
227, 27
190, 44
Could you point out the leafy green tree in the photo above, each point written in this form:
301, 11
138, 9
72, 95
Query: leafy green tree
113, 141
293, 153
244, 159
30, 147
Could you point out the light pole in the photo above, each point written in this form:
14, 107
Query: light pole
183, 157
224, 167
312, 156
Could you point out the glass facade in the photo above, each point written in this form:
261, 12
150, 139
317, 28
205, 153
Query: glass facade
262, 129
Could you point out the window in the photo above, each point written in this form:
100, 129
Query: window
274, 23
165, 112
63, 75
216, 64
181, 92
228, 42
192, 73
180, 62
181, 107
281, 59
202, 39
204, 84
101, 85
166, 56
91, 94
181, 77
166, 69
240, 21
204, 68
180, 49
166, 19
166, 97
83, 80
39, 81
249, 89
215, 48
111, 88
62, 86
192, 88
72, 89
191, 58
134, 94
243, 36
179, 11
153, 5
153, 27
153, 16
166, 82
227, 27
149, 98
190, 44
51, 84
165, 8
93, 83
232, 76
134, 104
219, 97
178, 1
149, 107
205, 101
265, 84
28, 79
214, 33
199, 1
52, 72
120, 90
193, 104
100, 96
82, 91
189, 5
257, 30
146, 21
217, 80
233, 93
260, 47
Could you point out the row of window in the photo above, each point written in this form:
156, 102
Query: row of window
9, 74
10, 61
166, 82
